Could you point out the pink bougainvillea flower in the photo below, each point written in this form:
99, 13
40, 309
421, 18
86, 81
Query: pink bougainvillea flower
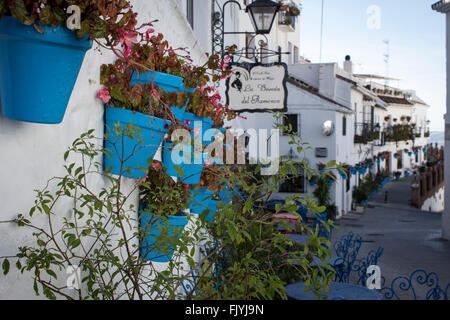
155, 165
143, 180
128, 38
187, 122
147, 33
186, 186
202, 88
225, 63
104, 95
127, 52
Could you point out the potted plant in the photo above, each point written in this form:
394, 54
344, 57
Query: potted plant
360, 198
321, 166
40, 57
397, 175
386, 119
151, 85
313, 180
294, 11
163, 205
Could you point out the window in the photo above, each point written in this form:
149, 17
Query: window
347, 184
400, 160
344, 125
291, 121
294, 182
190, 12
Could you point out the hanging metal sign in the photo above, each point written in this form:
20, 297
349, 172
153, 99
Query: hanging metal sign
257, 87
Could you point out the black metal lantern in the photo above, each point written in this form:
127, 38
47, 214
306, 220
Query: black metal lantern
262, 14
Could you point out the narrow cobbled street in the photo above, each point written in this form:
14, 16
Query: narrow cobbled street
411, 238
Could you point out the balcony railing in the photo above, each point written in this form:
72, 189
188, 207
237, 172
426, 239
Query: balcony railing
366, 132
286, 21
399, 132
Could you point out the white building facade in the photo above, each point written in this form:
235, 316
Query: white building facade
443, 6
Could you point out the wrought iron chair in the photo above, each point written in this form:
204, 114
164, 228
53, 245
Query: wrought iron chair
347, 250
420, 285
360, 266
323, 231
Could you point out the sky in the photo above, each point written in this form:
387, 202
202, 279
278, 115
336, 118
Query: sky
416, 36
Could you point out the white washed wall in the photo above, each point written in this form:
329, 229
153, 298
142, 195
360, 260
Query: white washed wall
33, 153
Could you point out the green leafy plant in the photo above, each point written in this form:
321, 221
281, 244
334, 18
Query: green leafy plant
243, 256
162, 194
100, 19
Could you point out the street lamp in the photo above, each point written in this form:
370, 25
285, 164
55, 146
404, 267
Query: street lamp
262, 14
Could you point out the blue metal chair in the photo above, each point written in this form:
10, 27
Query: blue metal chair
420, 285
320, 221
347, 250
360, 266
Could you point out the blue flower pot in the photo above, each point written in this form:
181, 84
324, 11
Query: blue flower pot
167, 82
167, 159
175, 226
226, 194
153, 131
38, 71
312, 182
192, 172
201, 200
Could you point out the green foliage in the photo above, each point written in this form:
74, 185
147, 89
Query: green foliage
369, 184
244, 256
161, 194
99, 19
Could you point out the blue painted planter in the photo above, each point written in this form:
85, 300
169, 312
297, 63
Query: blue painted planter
312, 182
167, 82
192, 171
37, 71
167, 159
153, 131
201, 200
225, 194
175, 226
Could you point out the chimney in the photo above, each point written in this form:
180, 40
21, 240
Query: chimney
348, 65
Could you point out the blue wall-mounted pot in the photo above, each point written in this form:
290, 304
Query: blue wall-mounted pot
153, 132
174, 225
201, 199
38, 71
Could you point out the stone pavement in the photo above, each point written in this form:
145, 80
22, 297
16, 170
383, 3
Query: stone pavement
411, 238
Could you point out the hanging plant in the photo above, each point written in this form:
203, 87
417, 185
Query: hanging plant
39, 26
294, 11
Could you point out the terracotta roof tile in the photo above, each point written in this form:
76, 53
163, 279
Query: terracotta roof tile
394, 100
